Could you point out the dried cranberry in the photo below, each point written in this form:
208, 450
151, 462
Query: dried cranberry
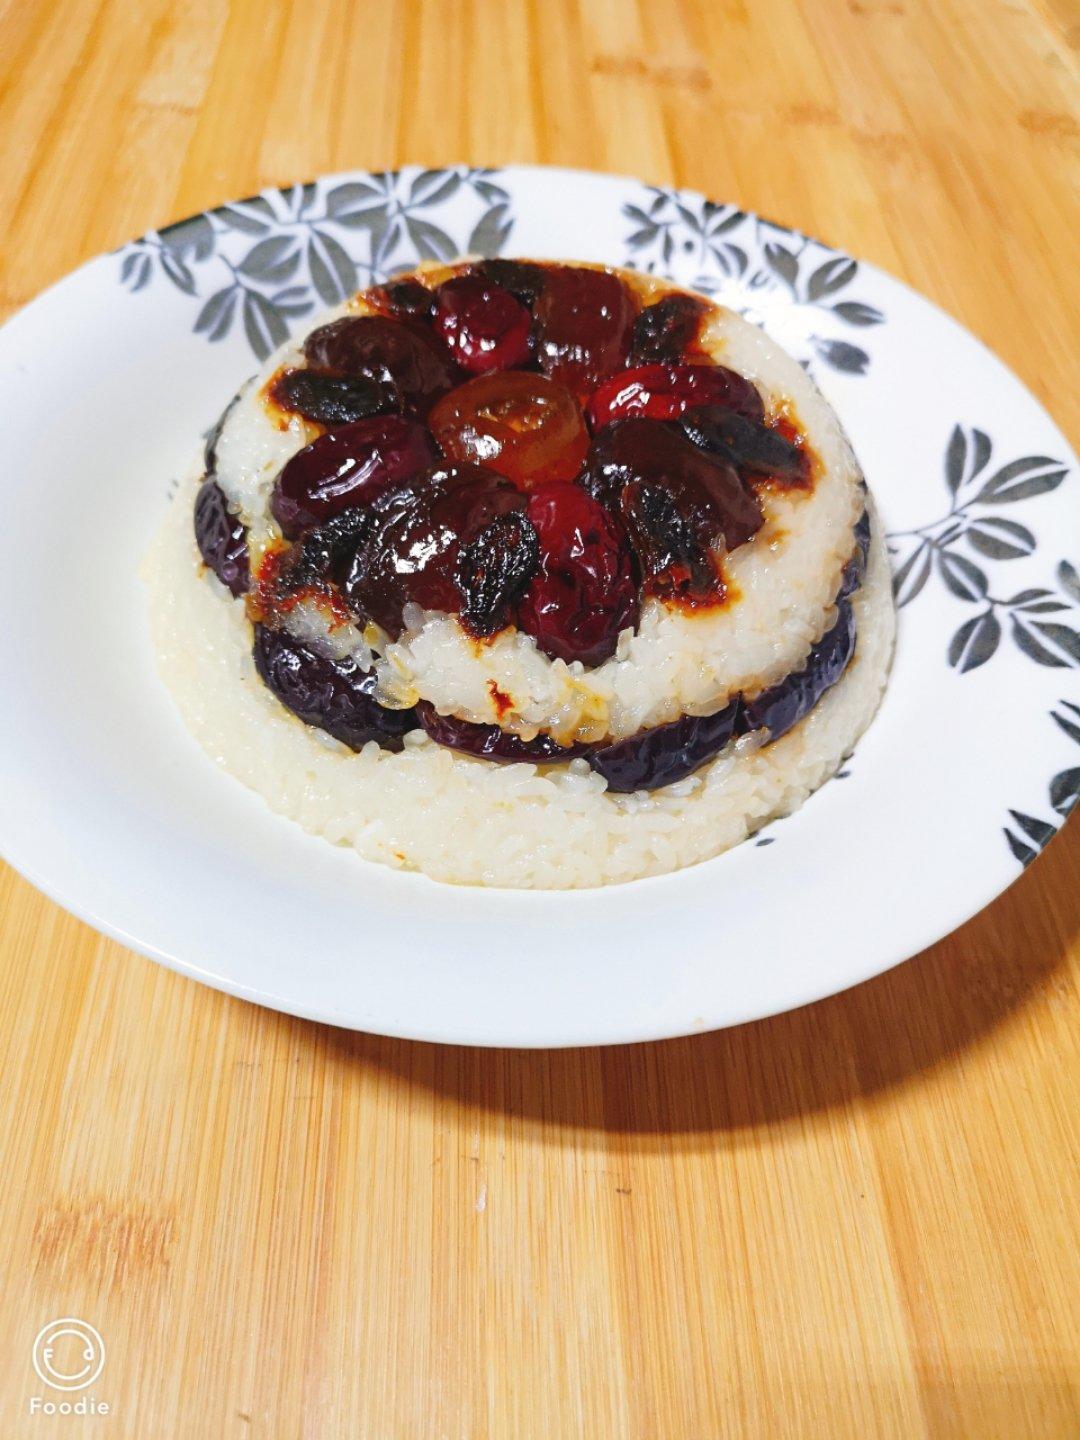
410, 552
666, 753
678, 504
330, 399
397, 353
752, 448
488, 742
523, 280
221, 538
525, 426
407, 298
484, 327
348, 467
335, 695
584, 319
784, 705
663, 332
663, 392
493, 569
584, 592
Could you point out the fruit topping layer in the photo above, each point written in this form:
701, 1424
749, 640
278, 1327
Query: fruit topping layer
520, 445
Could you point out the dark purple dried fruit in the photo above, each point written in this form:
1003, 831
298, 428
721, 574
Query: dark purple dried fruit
488, 742
677, 503
331, 399
663, 332
666, 753
408, 298
398, 353
855, 569
221, 538
785, 704
334, 695
348, 467
493, 571
411, 551
752, 448
214, 433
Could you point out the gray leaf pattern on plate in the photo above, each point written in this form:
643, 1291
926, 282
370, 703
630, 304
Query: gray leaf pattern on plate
266, 261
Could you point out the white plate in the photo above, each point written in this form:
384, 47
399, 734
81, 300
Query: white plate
108, 380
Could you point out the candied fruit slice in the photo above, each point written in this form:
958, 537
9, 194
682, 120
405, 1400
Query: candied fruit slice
525, 426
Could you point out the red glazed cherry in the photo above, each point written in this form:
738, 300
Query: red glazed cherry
585, 317
678, 504
399, 353
584, 592
484, 327
412, 549
525, 426
347, 467
663, 392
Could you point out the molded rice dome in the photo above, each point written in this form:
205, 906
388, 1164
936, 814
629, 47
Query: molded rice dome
526, 573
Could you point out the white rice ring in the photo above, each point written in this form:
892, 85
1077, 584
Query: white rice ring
678, 662
472, 821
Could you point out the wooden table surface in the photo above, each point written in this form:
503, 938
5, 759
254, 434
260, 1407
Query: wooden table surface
855, 1220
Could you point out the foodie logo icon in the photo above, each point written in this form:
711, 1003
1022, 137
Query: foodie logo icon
68, 1354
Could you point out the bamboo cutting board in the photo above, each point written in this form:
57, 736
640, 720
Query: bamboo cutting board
856, 1220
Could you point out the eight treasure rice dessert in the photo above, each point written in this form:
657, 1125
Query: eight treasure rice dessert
527, 574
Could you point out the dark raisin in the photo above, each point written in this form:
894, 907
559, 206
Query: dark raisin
488, 742
401, 354
331, 399
411, 550
666, 753
752, 448
523, 280
678, 504
493, 571
784, 705
584, 593
408, 298
221, 538
348, 467
334, 695
663, 332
